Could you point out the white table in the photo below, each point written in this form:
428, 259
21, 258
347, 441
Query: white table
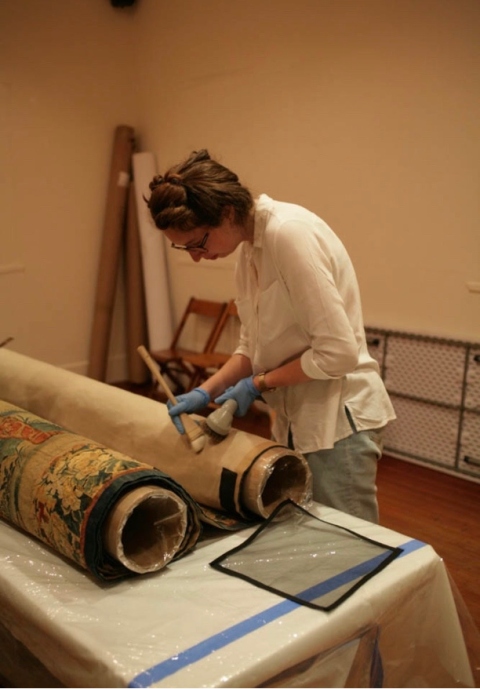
192, 626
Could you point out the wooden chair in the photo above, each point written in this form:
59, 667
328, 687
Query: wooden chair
210, 360
173, 362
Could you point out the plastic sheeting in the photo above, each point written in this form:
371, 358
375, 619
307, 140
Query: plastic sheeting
356, 662
306, 559
191, 626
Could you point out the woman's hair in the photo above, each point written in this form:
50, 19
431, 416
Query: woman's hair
197, 193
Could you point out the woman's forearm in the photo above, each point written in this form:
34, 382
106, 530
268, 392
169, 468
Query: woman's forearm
283, 376
236, 368
239, 366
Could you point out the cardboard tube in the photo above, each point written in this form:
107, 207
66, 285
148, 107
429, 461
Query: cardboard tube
145, 528
272, 478
110, 250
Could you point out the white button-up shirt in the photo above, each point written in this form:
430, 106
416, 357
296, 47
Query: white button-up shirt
298, 296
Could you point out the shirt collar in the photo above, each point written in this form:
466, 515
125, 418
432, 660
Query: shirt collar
263, 206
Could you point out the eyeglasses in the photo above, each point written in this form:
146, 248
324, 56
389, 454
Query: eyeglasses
195, 248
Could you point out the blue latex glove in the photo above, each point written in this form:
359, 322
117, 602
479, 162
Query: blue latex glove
186, 404
244, 393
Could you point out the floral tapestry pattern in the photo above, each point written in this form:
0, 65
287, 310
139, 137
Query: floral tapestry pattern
59, 487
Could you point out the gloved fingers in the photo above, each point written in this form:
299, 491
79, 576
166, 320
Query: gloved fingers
185, 404
170, 405
177, 422
173, 411
191, 401
226, 395
242, 404
244, 393
239, 411
176, 409
223, 398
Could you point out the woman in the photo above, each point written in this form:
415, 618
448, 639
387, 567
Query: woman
302, 341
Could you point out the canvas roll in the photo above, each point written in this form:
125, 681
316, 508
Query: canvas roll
136, 318
113, 226
106, 512
243, 475
154, 259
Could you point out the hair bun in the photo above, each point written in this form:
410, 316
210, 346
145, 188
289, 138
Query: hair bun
201, 155
156, 182
174, 179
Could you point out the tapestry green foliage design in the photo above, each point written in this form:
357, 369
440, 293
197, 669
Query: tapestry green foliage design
59, 487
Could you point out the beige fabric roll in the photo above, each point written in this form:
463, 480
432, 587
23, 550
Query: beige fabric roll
242, 474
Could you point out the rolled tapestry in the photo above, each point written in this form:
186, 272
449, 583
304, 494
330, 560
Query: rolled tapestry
108, 513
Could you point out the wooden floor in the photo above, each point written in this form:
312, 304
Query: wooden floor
420, 503
441, 510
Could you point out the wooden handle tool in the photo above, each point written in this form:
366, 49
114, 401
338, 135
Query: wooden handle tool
193, 432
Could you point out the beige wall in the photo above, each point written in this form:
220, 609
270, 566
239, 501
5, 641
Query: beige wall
365, 111
66, 80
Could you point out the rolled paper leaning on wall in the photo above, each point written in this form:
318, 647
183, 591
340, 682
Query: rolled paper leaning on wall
106, 512
154, 259
136, 316
243, 476
113, 226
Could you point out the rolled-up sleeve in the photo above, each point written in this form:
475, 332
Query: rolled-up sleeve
243, 346
308, 272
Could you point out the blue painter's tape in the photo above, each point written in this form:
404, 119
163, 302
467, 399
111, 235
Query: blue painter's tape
227, 636
213, 643
411, 546
346, 577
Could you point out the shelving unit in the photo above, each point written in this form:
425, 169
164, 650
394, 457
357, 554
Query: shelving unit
434, 385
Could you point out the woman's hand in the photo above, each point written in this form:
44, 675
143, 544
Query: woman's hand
187, 404
244, 393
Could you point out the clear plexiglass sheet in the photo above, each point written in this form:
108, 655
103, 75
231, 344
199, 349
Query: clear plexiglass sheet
306, 559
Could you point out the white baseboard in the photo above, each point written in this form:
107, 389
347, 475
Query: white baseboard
435, 467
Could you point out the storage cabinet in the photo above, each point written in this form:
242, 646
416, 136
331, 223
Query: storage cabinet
434, 384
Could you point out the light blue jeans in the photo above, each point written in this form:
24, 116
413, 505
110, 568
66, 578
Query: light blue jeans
344, 477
